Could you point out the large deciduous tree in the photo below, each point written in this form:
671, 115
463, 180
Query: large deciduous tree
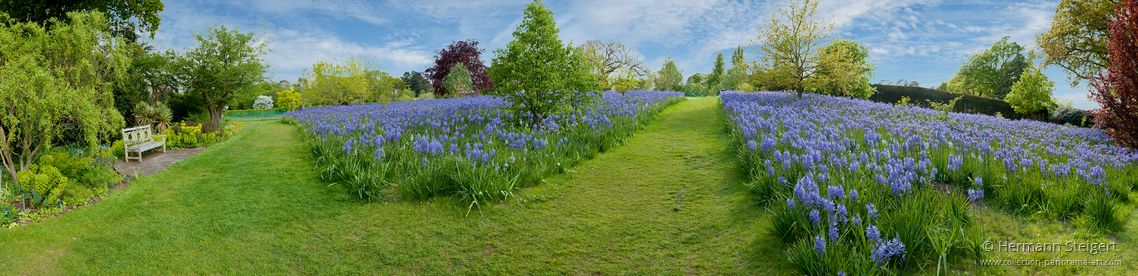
843, 70
789, 43
613, 62
329, 83
416, 82
536, 73
225, 63
60, 73
1077, 38
465, 52
1116, 87
992, 72
124, 18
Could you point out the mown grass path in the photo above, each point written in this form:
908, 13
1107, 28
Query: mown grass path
668, 201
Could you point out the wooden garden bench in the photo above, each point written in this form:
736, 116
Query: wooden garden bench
140, 139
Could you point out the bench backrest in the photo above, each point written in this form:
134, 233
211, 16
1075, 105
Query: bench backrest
136, 135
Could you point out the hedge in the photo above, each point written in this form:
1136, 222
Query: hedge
921, 96
253, 112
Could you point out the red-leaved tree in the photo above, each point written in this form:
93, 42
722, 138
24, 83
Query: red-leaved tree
466, 52
1116, 87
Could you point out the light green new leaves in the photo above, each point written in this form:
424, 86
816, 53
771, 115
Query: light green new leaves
992, 72
790, 42
536, 73
669, 77
225, 64
458, 81
1077, 39
1032, 92
51, 76
843, 71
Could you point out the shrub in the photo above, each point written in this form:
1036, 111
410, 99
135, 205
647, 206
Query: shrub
289, 100
1068, 115
263, 102
40, 184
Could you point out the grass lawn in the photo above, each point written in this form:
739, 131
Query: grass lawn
668, 201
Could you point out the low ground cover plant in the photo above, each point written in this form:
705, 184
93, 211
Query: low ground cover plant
62, 178
862, 187
470, 147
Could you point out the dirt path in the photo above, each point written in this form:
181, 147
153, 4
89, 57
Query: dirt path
154, 161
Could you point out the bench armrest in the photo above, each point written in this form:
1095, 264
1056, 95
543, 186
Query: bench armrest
160, 135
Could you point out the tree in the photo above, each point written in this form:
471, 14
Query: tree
382, 87
1077, 39
696, 78
536, 74
992, 72
225, 63
331, 83
669, 77
736, 75
610, 61
458, 81
943, 86
843, 70
466, 52
124, 18
1032, 92
716, 72
53, 74
737, 58
416, 82
790, 41
1116, 87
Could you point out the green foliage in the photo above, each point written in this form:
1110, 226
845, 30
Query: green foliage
289, 100
613, 63
48, 76
695, 78
790, 43
340, 84
416, 82
157, 115
1032, 92
843, 70
536, 73
125, 19
696, 89
41, 184
1077, 39
991, 73
904, 101
669, 77
224, 65
458, 81
716, 71
183, 136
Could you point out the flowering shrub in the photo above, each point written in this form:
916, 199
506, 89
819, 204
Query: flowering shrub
857, 177
263, 102
470, 147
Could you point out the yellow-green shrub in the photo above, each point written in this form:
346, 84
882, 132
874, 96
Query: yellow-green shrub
41, 184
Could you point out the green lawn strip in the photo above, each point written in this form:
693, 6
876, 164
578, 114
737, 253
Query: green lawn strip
1001, 226
668, 201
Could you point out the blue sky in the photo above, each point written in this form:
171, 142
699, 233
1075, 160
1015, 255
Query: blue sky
916, 40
